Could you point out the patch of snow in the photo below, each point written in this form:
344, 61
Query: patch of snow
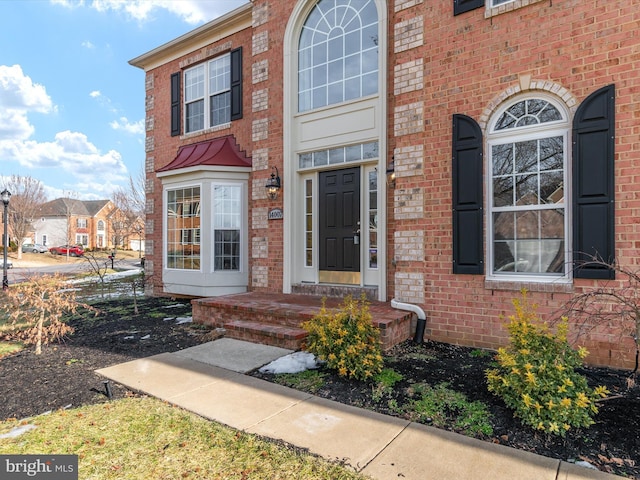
582, 463
146, 337
293, 363
175, 305
181, 320
17, 431
130, 337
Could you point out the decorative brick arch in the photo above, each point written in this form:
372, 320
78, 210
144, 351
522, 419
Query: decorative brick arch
526, 84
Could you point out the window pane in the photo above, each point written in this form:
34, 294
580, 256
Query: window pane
227, 218
183, 228
195, 116
338, 31
220, 109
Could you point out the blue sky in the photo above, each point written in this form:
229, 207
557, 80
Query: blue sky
71, 106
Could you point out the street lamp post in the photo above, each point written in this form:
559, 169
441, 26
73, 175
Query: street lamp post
5, 195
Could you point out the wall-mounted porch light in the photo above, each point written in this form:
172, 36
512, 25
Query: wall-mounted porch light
391, 173
273, 184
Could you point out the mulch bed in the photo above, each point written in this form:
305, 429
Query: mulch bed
612, 444
63, 376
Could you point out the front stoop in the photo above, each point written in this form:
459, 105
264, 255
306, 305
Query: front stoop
275, 319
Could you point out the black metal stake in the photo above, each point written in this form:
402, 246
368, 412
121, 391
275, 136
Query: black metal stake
107, 389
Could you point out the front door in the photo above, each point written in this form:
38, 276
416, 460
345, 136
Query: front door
339, 215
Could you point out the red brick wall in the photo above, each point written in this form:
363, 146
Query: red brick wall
470, 62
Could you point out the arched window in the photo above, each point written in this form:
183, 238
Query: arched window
528, 203
338, 53
100, 225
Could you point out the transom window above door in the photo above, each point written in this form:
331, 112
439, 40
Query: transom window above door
338, 53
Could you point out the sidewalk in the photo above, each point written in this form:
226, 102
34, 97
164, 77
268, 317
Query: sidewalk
210, 380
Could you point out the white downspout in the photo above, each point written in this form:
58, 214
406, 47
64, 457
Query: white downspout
422, 318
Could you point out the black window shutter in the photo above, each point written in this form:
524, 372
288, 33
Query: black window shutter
175, 103
461, 6
467, 196
593, 184
236, 84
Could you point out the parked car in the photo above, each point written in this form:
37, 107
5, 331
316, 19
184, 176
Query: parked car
33, 248
72, 250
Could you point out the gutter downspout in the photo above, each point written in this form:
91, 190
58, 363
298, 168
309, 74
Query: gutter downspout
422, 318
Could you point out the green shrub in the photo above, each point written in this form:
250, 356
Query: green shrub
536, 375
346, 339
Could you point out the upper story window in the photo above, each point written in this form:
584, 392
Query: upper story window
101, 225
338, 53
528, 211
207, 94
81, 223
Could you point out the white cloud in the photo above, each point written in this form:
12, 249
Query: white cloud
19, 96
17, 91
191, 11
70, 151
123, 123
95, 94
87, 44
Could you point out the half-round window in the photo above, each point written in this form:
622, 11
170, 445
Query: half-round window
338, 53
527, 112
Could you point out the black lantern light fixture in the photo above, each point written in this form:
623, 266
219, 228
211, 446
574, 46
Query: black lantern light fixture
391, 173
273, 184
5, 195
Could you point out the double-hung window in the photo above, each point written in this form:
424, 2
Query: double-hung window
183, 228
528, 173
227, 223
207, 94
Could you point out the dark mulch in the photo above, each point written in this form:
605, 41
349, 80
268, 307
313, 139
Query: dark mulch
611, 445
64, 376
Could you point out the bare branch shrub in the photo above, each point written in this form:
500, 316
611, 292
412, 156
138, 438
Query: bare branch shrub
35, 308
610, 303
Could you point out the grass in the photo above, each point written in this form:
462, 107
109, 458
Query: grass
307, 381
143, 438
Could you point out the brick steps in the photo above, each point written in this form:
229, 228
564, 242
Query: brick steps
275, 319
275, 335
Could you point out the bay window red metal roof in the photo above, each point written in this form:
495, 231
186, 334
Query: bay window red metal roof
222, 152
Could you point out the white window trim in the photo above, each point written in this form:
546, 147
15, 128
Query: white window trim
206, 98
165, 234
243, 262
519, 134
492, 11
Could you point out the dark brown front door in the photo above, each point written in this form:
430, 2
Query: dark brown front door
339, 212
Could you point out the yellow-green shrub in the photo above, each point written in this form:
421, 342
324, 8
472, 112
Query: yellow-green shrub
346, 339
536, 375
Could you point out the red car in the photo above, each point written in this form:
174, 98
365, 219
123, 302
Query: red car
72, 250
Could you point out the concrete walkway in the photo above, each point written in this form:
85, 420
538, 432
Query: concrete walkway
210, 380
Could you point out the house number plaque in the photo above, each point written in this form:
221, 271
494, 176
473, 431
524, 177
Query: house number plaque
275, 214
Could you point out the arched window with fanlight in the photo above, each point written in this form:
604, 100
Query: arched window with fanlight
338, 53
528, 221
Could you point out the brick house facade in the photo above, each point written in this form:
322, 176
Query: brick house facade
510, 128
70, 221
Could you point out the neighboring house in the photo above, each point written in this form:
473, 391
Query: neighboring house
444, 153
83, 222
